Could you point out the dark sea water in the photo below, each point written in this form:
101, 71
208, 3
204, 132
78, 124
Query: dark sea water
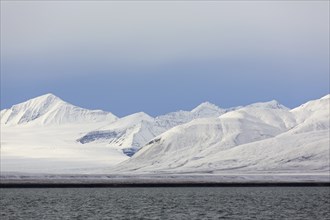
166, 203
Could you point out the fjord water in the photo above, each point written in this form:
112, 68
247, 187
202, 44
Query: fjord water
166, 203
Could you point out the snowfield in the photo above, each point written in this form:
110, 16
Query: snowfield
132, 132
39, 136
46, 135
263, 137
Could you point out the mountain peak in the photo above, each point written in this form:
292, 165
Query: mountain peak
205, 105
48, 95
326, 97
137, 117
141, 114
316, 106
50, 109
43, 99
207, 109
273, 104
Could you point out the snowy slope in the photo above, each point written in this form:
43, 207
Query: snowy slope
40, 135
128, 133
258, 137
313, 115
51, 110
53, 150
134, 131
48, 135
207, 109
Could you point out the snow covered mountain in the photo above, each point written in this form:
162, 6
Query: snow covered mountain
260, 137
49, 135
134, 131
128, 133
51, 110
207, 109
39, 136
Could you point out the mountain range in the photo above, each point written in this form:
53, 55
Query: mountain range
49, 135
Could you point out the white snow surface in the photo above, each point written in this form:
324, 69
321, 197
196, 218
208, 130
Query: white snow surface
134, 131
262, 137
39, 136
53, 150
48, 135
51, 110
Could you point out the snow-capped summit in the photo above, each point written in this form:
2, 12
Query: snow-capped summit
121, 133
46, 98
132, 132
269, 105
49, 109
325, 97
313, 105
128, 121
207, 109
313, 115
263, 136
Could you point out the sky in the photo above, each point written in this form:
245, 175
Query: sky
163, 56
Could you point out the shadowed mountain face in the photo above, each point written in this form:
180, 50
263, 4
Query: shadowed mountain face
261, 137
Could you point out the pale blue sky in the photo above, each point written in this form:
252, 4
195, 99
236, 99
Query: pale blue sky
161, 56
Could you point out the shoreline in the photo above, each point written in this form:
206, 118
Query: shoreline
152, 185
161, 180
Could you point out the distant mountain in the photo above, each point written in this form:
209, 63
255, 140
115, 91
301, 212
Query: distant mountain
207, 109
259, 137
49, 135
128, 133
51, 110
39, 136
134, 131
